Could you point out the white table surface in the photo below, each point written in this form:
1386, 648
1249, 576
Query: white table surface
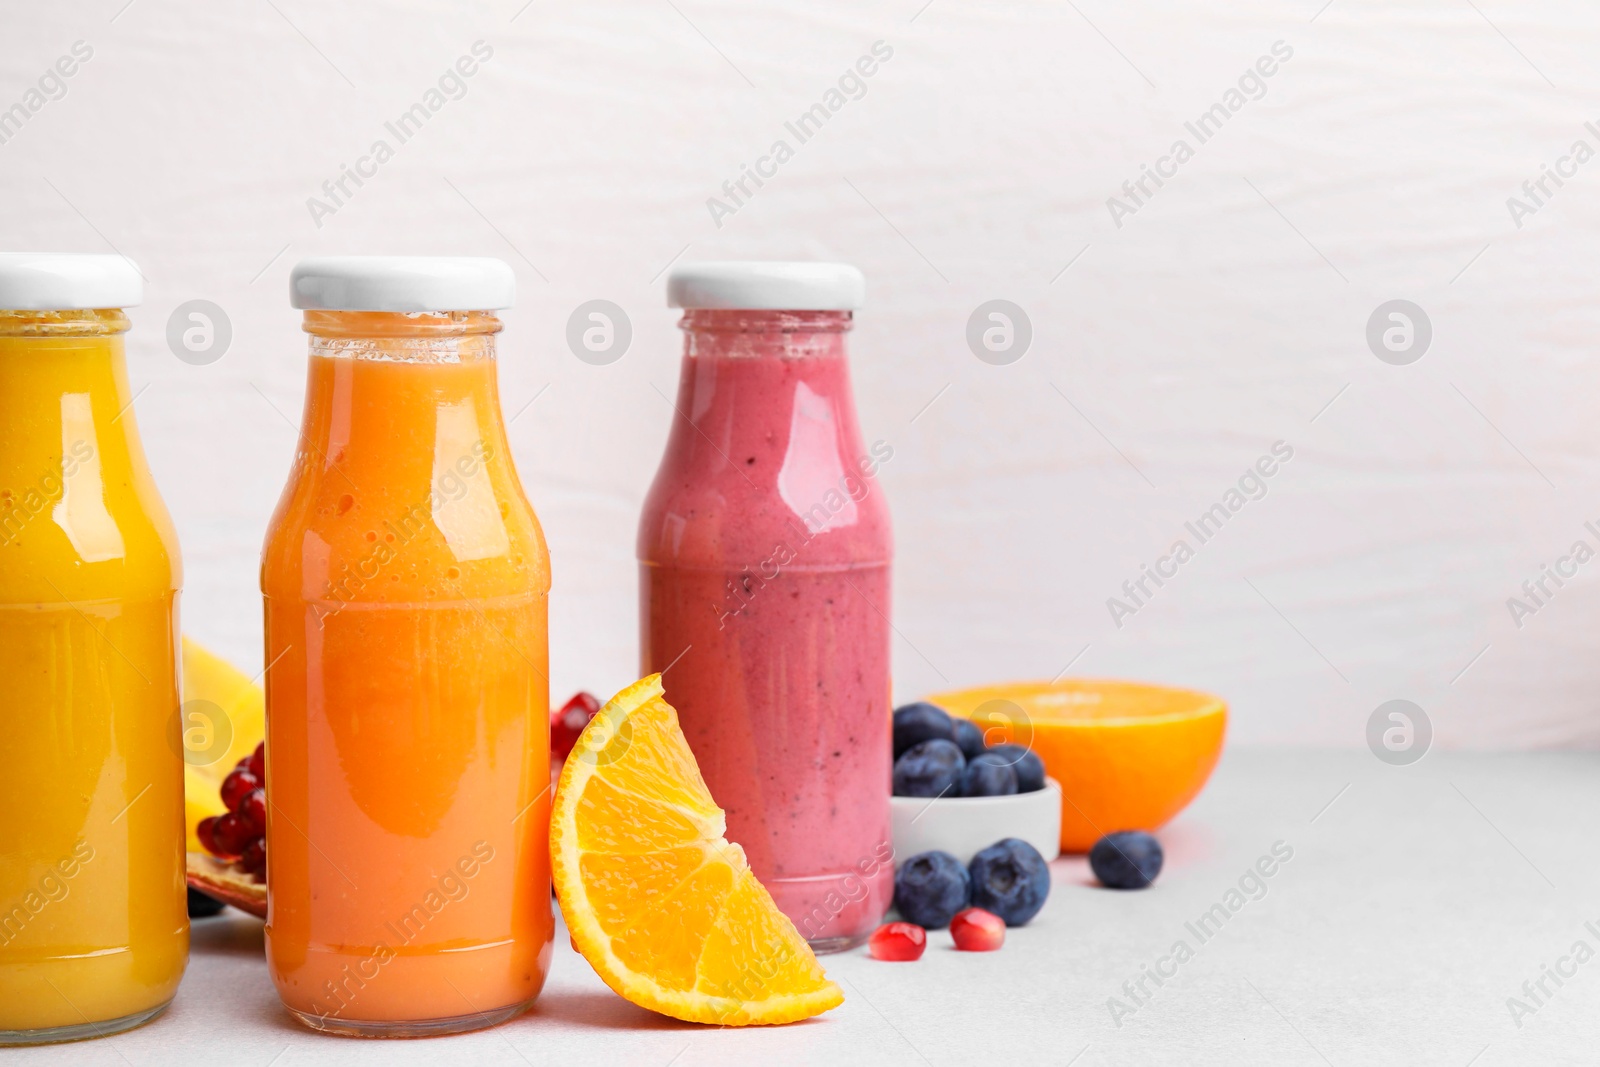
1418, 900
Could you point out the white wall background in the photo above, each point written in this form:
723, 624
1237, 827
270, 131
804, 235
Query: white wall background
1225, 315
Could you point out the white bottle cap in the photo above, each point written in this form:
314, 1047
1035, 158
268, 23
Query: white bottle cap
65, 281
762, 286
402, 283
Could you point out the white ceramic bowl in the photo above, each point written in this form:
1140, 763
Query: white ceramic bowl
965, 826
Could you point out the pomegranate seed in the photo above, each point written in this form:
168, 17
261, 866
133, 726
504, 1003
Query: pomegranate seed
976, 930
253, 809
205, 830
239, 782
258, 762
231, 834
254, 858
898, 942
568, 723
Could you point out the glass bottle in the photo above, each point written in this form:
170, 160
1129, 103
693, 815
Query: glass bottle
764, 555
406, 583
94, 932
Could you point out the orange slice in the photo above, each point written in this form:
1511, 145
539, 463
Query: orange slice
1128, 756
663, 907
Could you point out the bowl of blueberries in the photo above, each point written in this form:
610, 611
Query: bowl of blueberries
954, 793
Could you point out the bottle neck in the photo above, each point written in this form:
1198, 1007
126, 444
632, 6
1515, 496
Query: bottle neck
76, 357
403, 337
743, 334
403, 489
71, 468
67, 373
387, 382
765, 448
87, 322
401, 403
764, 403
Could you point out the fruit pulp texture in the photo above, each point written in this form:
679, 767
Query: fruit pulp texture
406, 580
93, 920
764, 593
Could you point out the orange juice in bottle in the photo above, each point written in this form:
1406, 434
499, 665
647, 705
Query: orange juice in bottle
94, 934
405, 580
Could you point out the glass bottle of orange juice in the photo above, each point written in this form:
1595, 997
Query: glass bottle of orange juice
406, 583
94, 933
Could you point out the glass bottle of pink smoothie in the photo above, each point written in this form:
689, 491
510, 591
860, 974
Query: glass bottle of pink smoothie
764, 556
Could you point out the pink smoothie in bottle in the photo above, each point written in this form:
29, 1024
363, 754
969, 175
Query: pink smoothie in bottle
764, 555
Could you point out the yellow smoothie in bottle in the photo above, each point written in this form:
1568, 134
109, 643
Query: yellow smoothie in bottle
94, 931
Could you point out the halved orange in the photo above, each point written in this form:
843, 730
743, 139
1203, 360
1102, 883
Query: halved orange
1128, 756
663, 907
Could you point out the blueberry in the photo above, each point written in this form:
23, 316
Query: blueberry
916, 723
202, 906
930, 769
1127, 859
929, 888
1010, 879
965, 733
1027, 764
988, 775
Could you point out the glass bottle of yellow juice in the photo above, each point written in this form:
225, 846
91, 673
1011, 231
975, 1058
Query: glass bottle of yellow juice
94, 933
